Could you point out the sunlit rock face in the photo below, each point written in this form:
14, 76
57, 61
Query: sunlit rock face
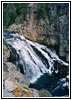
52, 31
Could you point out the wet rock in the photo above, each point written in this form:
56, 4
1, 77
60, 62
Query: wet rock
6, 53
5, 67
62, 69
13, 55
21, 68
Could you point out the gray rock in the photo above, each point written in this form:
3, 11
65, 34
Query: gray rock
9, 85
7, 94
34, 92
6, 53
14, 75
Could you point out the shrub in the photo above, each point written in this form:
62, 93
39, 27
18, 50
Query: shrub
17, 6
4, 43
13, 11
58, 14
4, 17
12, 20
45, 93
42, 42
41, 11
25, 10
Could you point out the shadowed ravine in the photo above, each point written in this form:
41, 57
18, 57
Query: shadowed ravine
41, 65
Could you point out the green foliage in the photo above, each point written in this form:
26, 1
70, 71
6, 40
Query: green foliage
17, 6
58, 14
21, 9
12, 20
46, 43
4, 16
42, 11
45, 93
4, 43
18, 11
13, 11
25, 87
25, 10
42, 42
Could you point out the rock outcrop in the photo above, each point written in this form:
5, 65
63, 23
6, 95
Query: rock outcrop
15, 84
52, 31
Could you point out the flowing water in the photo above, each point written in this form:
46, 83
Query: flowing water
41, 64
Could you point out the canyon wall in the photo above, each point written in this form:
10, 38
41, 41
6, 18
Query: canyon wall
53, 30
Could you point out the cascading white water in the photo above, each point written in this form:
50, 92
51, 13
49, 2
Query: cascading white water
34, 65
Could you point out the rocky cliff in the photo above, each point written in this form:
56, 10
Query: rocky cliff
51, 30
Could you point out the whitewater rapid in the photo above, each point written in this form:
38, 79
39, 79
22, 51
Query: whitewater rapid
36, 59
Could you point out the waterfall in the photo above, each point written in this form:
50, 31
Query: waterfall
36, 59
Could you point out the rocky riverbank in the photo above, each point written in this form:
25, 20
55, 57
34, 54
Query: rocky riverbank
15, 84
52, 31
18, 72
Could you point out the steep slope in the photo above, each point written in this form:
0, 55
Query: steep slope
51, 29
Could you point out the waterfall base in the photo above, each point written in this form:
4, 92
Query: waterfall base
52, 84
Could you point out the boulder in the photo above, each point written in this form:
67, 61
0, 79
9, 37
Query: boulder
10, 71
19, 77
9, 85
34, 92
7, 94
9, 66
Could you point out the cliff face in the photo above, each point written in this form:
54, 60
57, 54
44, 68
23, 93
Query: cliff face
53, 30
